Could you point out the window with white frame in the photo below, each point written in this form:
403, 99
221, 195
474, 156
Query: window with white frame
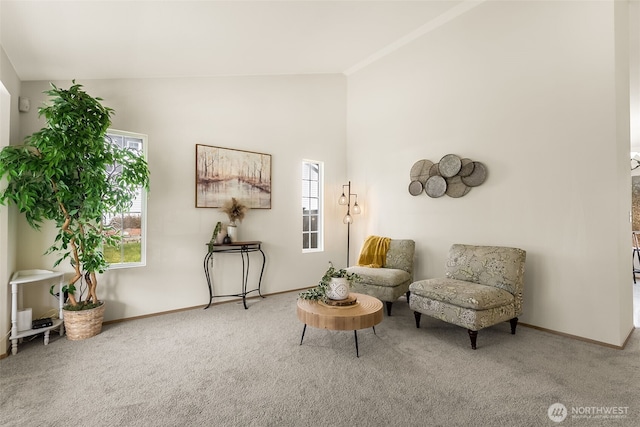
311, 206
129, 225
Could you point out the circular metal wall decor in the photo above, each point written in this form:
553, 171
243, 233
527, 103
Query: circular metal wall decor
452, 175
420, 171
415, 188
467, 167
456, 188
436, 186
449, 165
476, 177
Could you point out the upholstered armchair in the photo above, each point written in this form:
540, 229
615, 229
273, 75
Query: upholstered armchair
392, 279
483, 286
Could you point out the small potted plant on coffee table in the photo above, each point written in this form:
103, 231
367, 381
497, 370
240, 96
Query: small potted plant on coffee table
334, 285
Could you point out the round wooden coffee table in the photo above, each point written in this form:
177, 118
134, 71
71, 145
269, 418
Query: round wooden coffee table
365, 313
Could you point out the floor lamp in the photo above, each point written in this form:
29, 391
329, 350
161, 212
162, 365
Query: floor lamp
345, 199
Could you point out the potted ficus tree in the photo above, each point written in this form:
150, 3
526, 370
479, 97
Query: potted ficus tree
71, 174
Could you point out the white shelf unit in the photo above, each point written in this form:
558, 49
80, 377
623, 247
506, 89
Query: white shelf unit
25, 277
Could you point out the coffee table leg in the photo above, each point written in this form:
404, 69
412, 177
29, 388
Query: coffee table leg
303, 330
374, 330
355, 333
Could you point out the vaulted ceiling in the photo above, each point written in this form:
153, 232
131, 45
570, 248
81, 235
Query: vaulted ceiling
95, 39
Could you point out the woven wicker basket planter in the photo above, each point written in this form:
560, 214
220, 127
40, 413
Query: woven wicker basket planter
83, 324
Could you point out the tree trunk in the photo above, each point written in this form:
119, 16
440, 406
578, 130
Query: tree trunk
92, 283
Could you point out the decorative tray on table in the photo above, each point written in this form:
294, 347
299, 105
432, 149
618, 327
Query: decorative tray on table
349, 301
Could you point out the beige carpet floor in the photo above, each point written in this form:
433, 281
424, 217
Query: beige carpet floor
227, 366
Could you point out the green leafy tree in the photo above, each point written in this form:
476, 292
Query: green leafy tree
69, 173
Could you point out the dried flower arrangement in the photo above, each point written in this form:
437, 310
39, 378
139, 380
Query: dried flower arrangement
235, 210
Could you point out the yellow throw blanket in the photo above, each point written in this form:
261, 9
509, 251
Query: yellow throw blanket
374, 252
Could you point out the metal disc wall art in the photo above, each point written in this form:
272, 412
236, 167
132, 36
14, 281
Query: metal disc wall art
415, 187
467, 167
449, 165
477, 176
420, 170
452, 175
456, 188
436, 186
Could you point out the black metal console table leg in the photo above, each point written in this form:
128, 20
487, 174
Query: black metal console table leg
207, 259
264, 261
245, 276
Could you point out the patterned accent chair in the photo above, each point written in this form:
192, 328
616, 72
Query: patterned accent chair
392, 280
483, 286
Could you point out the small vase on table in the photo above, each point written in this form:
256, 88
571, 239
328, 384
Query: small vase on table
232, 231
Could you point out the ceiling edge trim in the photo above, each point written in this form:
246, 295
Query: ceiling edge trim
437, 22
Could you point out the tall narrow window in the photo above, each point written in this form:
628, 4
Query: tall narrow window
129, 225
311, 206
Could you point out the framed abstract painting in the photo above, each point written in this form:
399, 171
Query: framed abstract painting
223, 173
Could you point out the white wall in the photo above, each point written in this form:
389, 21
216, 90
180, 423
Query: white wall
634, 78
530, 89
290, 117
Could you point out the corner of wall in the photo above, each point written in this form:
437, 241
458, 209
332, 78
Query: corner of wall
9, 90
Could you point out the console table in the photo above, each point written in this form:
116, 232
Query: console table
244, 249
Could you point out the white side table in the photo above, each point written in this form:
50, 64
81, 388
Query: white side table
24, 277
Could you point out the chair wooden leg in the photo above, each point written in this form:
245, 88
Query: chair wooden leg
514, 323
473, 335
408, 293
417, 315
388, 304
